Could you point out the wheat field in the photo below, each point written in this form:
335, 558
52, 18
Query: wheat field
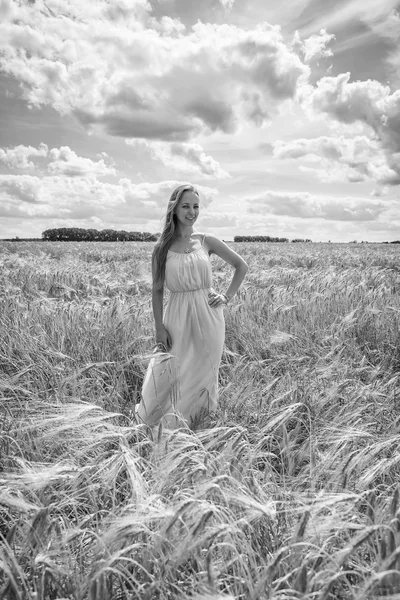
292, 492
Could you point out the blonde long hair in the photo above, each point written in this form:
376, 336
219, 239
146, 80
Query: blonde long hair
161, 248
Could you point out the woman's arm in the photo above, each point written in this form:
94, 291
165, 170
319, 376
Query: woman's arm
216, 246
157, 298
163, 339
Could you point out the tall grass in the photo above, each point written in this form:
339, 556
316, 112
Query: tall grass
291, 493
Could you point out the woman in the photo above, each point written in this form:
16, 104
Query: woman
182, 378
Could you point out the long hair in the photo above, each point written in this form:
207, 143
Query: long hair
161, 248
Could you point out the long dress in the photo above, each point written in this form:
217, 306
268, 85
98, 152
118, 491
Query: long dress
182, 384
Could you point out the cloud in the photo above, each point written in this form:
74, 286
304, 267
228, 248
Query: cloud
389, 29
183, 157
212, 220
314, 47
114, 66
157, 194
357, 149
6, 10
353, 159
380, 191
190, 13
21, 188
388, 25
227, 4
384, 228
17, 157
61, 161
308, 206
367, 102
126, 10
83, 198
64, 161
254, 108
337, 15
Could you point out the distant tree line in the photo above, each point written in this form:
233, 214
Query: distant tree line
264, 238
258, 238
18, 239
76, 234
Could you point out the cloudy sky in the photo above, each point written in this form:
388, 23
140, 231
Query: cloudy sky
285, 115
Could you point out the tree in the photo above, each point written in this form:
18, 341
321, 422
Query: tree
78, 234
258, 238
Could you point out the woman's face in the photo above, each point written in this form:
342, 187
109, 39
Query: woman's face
187, 209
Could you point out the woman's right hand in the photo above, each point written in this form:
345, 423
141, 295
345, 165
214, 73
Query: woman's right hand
163, 339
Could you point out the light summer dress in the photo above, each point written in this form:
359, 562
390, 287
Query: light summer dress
183, 383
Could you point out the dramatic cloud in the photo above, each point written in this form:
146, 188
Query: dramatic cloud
159, 192
208, 92
313, 47
183, 157
86, 198
61, 161
352, 150
307, 206
17, 157
20, 188
352, 159
64, 161
367, 102
116, 67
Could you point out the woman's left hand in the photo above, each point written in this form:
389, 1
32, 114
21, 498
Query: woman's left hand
216, 300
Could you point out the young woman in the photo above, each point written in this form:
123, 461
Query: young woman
181, 381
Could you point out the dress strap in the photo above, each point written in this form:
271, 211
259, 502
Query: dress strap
202, 239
